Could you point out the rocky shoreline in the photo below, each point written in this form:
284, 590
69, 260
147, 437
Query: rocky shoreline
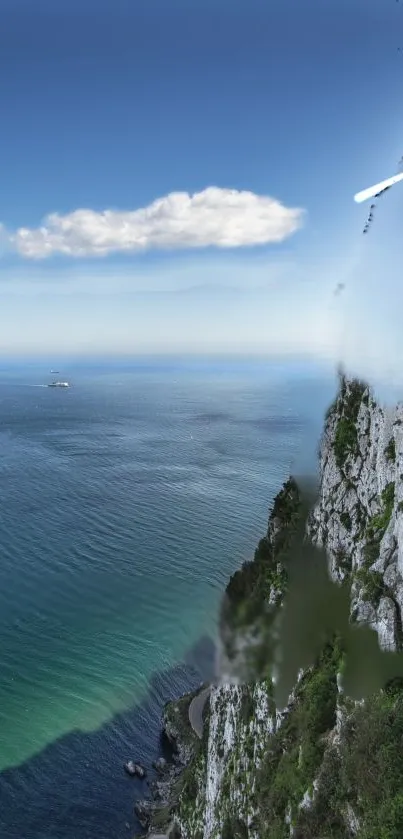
156, 813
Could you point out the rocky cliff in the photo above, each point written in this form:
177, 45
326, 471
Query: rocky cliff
358, 516
325, 765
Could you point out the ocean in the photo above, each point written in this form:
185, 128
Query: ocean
126, 502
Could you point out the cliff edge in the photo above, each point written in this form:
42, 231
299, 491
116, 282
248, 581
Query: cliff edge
325, 766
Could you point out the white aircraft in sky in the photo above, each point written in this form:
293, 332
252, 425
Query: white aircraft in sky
375, 191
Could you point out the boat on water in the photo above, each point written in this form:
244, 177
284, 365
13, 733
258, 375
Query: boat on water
59, 384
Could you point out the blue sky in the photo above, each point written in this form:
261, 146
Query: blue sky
111, 106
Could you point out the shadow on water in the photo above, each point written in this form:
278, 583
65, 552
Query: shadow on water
76, 787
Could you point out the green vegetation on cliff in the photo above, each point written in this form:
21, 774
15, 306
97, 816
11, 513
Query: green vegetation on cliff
296, 751
351, 772
363, 775
250, 587
347, 407
372, 581
390, 450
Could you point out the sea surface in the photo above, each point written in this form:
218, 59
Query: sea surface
126, 502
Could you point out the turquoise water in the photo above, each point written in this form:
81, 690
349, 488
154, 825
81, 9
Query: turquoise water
125, 504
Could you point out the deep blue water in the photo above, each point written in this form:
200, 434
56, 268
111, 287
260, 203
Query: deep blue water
125, 504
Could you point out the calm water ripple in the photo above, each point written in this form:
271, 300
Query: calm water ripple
125, 505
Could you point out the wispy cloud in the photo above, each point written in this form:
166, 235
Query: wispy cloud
222, 218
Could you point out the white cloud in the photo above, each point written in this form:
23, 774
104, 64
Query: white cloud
223, 218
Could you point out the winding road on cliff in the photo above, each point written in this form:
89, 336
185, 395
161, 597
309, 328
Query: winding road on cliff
196, 709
